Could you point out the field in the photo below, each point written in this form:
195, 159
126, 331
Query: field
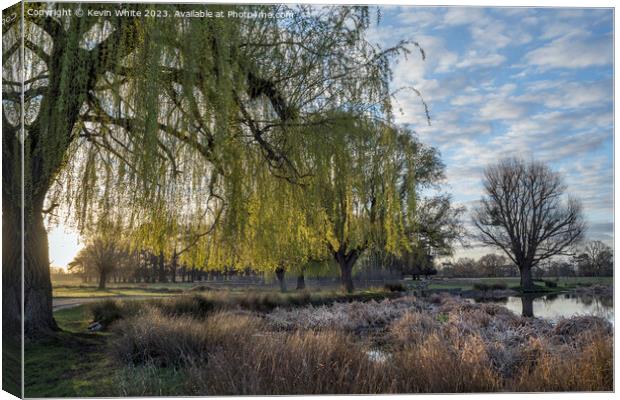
372, 341
74, 288
513, 282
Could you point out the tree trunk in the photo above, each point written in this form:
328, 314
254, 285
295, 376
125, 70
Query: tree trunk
174, 268
37, 282
346, 277
301, 281
161, 267
346, 261
102, 280
45, 150
280, 275
527, 284
11, 269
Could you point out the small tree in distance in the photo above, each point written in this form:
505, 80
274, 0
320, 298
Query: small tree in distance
102, 256
491, 264
596, 259
523, 213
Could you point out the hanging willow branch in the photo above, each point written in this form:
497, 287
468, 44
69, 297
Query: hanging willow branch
168, 125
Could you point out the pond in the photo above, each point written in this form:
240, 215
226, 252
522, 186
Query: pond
563, 305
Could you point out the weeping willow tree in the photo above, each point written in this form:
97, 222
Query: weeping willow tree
356, 188
369, 184
432, 224
283, 231
117, 108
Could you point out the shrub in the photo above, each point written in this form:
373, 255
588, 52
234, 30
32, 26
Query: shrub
154, 338
106, 312
110, 311
200, 305
589, 368
550, 284
585, 323
299, 363
195, 305
395, 287
354, 316
439, 366
413, 327
490, 286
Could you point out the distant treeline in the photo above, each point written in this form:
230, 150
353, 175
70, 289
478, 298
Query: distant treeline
594, 259
103, 263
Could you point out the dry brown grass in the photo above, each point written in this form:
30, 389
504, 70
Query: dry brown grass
437, 365
587, 365
152, 337
413, 328
297, 363
447, 347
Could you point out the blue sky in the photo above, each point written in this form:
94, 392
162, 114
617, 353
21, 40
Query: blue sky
532, 82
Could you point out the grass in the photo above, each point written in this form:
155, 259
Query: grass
490, 286
87, 292
241, 343
70, 363
471, 348
11, 365
564, 283
75, 289
73, 363
202, 304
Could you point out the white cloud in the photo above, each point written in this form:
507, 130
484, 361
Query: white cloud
572, 51
466, 100
577, 95
419, 17
473, 58
484, 108
559, 29
501, 109
464, 16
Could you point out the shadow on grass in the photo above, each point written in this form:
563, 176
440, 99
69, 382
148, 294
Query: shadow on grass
68, 363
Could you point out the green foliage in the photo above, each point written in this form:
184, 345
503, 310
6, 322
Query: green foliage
167, 127
102, 255
222, 143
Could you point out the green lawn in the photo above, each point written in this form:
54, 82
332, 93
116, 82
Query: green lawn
11, 365
169, 289
70, 364
513, 282
75, 288
59, 292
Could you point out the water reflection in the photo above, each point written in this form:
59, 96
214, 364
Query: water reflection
527, 306
556, 306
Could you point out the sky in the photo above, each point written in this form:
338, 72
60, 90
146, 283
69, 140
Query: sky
531, 82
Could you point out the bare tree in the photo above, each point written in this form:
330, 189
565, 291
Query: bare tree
491, 264
524, 214
102, 256
597, 259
